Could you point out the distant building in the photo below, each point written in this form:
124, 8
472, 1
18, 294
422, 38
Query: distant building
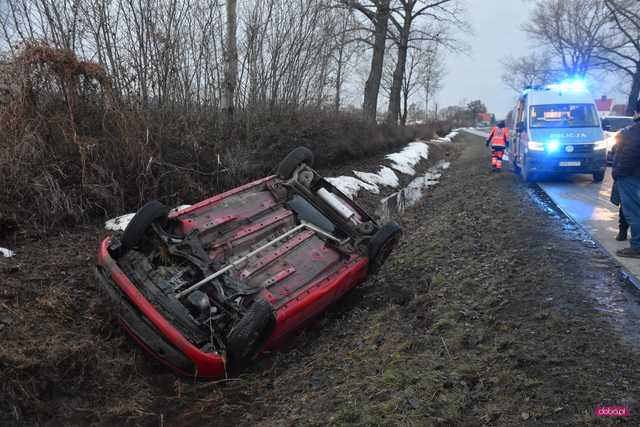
619, 110
483, 118
605, 106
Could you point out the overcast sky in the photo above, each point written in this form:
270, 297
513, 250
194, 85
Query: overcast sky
477, 74
497, 32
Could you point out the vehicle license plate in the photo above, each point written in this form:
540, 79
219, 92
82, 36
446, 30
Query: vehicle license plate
569, 163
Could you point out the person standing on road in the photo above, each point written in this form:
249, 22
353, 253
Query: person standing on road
626, 173
499, 140
623, 225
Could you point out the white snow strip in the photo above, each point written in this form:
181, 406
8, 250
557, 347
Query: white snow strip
7, 253
448, 138
441, 164
179, 208
385, 177
351, 186
405, 160
119, 223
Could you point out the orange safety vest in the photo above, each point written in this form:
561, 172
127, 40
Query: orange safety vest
499, 136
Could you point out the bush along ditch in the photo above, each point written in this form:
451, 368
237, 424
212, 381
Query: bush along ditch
73, 150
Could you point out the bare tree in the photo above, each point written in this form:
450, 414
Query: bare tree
440, 14
231, 58
570, 29
378, 13
620, 48
430, 73
528, 71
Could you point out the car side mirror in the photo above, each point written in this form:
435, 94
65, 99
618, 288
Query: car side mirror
520, 127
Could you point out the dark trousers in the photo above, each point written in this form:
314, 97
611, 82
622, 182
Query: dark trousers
629, 188
622, 221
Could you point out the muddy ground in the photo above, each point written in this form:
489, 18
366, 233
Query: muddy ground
492, 311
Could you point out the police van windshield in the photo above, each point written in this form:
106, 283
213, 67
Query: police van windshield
563, 116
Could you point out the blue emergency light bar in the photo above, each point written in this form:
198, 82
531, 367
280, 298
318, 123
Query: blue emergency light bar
573, 85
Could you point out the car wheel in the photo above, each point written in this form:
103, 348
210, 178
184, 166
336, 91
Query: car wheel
381, 245
598, 176
294, 159
140, 223
246, 337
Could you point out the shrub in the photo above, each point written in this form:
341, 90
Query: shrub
72, 151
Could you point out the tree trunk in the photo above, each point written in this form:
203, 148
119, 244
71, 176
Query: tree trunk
635, 92
426, 103
231, 59
405, 109
372, 86
393, 113
336, 100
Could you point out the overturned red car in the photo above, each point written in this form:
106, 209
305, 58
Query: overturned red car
208, 288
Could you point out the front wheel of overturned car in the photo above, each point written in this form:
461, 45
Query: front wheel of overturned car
246, 337
381, 245
143, 219
294, 159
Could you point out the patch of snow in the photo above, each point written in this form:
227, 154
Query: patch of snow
405, 160
119, 223
441, 164
351, 186
7, 253
179, 208
448, 138
385, 177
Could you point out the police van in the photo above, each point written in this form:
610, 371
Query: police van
557, 130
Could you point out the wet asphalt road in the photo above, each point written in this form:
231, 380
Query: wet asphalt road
587, 203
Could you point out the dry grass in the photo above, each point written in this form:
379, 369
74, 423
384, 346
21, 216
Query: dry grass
71, 151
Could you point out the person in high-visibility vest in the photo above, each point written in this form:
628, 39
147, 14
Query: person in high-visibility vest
499, 140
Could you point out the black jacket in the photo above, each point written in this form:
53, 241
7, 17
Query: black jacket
627, 159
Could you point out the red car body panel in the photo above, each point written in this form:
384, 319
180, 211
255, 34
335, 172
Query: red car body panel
299, 279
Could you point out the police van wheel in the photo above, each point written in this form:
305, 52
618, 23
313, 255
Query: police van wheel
527, 176
598, 176
516, 168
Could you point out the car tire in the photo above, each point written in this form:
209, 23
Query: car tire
246, 337
140, 223
294, 159
598, 176
381, 245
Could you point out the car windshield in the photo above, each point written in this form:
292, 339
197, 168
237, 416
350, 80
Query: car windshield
614, 124
563, 116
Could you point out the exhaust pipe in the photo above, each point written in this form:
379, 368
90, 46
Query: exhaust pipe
342, 208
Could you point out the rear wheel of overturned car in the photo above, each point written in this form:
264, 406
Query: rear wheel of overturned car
136, 229
294, 159
381, 245
246, 337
